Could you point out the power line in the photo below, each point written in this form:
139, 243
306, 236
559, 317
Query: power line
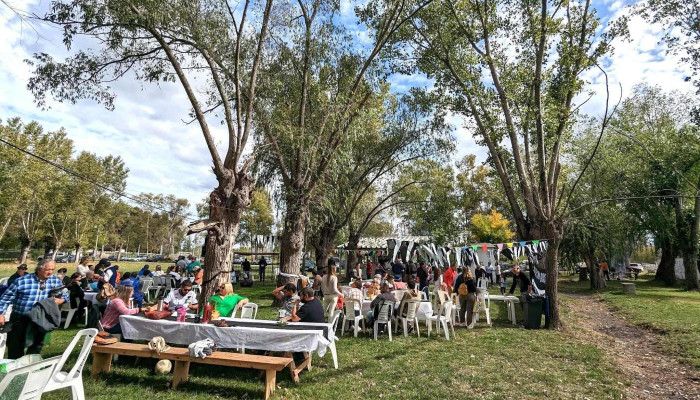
101, 186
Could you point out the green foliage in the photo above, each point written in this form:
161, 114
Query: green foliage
258, 218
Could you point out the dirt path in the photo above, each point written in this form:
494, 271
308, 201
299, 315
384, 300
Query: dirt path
653, 374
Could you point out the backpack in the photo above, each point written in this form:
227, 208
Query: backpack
107, 292
462, 290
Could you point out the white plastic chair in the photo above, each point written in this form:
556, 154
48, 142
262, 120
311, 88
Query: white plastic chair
157, 286
71, 312
485, 305
3, 281
73, 378
443, 318
249, 311
197, 289
482, 284
411, 316
350, 306
334, 320
384, 317
423, 296
146, 285
38, 375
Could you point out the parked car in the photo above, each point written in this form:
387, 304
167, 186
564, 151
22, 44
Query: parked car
309, 265
138, 258
66, 258
635, 267
268, 259
238, 260
114, 258
155, 258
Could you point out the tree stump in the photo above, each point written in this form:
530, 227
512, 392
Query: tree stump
629, 288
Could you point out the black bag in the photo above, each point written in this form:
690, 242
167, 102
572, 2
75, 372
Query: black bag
246, 282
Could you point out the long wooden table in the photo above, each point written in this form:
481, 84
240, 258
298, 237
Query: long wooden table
102, 361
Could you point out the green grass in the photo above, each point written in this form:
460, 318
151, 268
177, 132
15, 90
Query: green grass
672, 312
494, 363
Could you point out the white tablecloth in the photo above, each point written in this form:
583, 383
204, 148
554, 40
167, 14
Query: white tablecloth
91, 296
184, 333
424, 310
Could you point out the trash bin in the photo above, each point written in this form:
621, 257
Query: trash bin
533, 313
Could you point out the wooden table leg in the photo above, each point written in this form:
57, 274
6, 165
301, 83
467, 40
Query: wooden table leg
307, 356
101, 362
181, 373
270, 382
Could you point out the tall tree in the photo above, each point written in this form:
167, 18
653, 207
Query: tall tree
513, 69
165, 41
325, 80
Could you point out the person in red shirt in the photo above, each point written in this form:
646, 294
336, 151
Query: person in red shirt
449, 277
370, 269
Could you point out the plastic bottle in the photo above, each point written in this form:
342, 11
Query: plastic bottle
181, 314
207, 314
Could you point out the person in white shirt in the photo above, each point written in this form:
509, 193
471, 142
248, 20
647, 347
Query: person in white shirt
158, 271
83, 268
173, 273
183, 297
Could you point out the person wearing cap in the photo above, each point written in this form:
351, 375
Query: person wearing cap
21, 270
132, 279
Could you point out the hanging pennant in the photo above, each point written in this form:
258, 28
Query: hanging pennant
535, 241
484, 247
474, 247
523, 243
500, 246
509, 245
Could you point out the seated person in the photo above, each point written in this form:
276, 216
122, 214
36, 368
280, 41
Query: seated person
373, 289
174, 274
310, 311
226, 302
94, 281
394, 284
117, 307
132, 279
182, 297
145, 271
158, 271
355, 293
198, 275
77, 295
287, 294
411, 294
384, 296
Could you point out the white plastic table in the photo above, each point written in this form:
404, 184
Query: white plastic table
510, 304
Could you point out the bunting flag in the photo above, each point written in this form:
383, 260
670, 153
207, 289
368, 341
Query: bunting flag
509, 245
484, 247
522, 243
536, 241
474, 247
500, 246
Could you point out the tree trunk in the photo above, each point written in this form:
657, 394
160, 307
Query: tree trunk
552, 272
583, 273
26, 244
323, 244
292, 238
4, 227
56, 247
226, 205
690, 258
353, 242
593, 268
666, 272
78, 253
119, 252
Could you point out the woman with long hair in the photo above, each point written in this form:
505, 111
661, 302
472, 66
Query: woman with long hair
118, 306
329, 287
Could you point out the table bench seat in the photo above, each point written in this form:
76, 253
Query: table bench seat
102, 361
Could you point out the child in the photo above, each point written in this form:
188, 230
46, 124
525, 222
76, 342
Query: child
503, 284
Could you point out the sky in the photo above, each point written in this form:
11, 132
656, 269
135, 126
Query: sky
165, 155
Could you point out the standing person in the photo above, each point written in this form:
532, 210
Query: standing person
110, 273
498, 272
522, 281
489, 272
449, 277
21, 271
503, 284
422, 275
398, 269
317, 283
83, 267
262, 265
466, 289
370, 268
246, 267
357, 272
604, 268
23, 294
479, 272
329, 287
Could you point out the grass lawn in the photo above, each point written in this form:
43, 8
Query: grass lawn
500, 362
672, 312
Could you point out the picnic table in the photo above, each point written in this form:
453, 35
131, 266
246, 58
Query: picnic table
240, 334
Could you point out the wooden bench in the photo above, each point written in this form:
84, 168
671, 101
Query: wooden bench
102, 361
